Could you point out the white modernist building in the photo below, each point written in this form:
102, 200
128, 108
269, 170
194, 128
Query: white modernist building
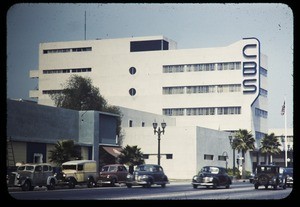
221, 89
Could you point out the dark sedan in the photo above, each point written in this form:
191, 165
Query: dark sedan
147, 175
212, 176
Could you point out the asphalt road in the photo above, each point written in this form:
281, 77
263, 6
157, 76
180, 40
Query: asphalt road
173, 191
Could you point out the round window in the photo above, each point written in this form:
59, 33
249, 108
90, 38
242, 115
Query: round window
132, 91
132, 70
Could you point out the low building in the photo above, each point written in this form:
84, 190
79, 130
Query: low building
33, 130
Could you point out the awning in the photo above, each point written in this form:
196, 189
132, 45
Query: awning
114, 151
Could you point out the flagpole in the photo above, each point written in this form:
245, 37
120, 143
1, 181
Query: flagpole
285, 132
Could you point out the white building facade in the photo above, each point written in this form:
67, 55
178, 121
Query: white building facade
217, 89
221, 88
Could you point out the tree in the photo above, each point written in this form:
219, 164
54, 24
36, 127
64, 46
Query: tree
78, 93
270, 145
243, 141
64, 151
131, 156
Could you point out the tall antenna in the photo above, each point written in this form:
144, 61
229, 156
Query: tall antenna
84, 25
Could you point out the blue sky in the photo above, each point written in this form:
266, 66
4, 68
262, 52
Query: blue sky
196, 25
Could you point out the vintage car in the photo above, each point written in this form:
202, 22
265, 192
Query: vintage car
29, 175
78, 172
112, 174
269, 175
147, 175
211, 176
288, 171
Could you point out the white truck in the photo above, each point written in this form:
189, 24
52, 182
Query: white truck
78, 172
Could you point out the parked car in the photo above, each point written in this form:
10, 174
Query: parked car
29, 175
269, 175
288, 171
147, 175
78, 172
112, 174
211, 176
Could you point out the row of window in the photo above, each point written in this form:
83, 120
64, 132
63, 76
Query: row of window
201, 111
211, 157
71, 70
202, 89
51, 91
201, 67
261, 113
64, 50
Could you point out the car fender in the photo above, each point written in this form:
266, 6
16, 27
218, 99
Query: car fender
50, 178
23, 179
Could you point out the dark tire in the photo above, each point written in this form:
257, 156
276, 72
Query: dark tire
263, 180
195, 186
128, 185
163, 185
51, 185
91, 183
113, 182
149, 183
26, 186
256, 186
72, 183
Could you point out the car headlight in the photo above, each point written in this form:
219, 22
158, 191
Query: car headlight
144, 177
18, 176
129, 176
195, 177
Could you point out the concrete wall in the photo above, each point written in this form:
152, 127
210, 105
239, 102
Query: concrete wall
187, 144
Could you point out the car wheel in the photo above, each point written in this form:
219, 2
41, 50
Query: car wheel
163, 185
26, 186
256, 186
263, 179
215, 184
149, 183
195, 186
71, 183
51, 185
266, 186
91, 183
275, 187
113, 182
128, 185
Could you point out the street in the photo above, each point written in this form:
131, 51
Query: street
173, 191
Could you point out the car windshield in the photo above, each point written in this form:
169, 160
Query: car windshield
109, 169
148, 168
69, 167
213, 170
26, 168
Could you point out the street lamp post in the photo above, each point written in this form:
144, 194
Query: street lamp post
225, 154
231, 143
159, 131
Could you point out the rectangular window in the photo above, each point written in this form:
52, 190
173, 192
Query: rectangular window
222, 158
148, 45
208, 157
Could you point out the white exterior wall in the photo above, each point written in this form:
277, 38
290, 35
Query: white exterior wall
110, 60
188, 144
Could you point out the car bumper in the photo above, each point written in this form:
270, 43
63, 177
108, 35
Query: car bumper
203, 184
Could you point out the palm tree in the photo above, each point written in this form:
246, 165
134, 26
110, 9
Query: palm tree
64, 151
131, 156
243, 141
270, 145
